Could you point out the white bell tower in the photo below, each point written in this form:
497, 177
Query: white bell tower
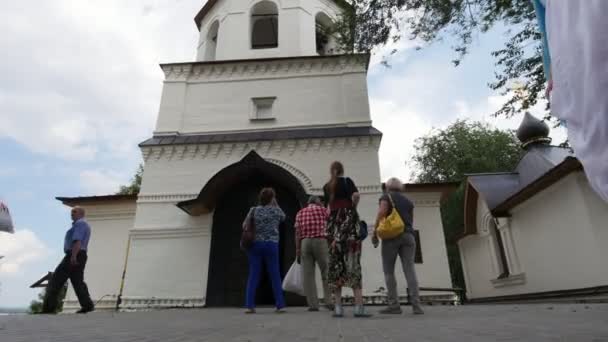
270, 99
245, 29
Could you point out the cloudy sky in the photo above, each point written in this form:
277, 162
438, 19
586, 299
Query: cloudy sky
80, 88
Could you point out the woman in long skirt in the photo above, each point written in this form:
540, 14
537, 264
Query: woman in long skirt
342, 196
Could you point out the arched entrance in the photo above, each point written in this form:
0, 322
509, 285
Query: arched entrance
230, 194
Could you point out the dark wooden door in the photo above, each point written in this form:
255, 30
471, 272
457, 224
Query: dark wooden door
228, 265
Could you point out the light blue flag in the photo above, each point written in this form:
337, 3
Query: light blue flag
540, 8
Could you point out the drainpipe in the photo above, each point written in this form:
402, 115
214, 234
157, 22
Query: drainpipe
124, 272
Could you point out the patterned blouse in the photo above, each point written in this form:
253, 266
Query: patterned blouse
267, 221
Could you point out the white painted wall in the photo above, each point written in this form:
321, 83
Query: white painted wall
558, 238
110, 223
296, 29
309, 92
434, 270
169, 179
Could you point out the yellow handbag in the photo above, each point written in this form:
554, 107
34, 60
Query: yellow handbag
391, 226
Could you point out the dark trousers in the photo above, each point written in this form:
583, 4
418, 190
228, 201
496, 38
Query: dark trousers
267, 252
62, 273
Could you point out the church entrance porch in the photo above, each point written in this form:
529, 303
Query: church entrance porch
229, 195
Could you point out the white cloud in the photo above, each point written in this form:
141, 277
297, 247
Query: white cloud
482, 111
19, 250
393, 52
81, 79
99, 182
401, 126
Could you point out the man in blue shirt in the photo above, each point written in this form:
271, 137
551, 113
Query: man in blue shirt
72, 266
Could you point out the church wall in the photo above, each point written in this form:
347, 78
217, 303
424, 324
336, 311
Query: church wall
110, 224
316, 99
184, 170
168, 267
597, 212
434, 270
169, 179
554, 245
174, 176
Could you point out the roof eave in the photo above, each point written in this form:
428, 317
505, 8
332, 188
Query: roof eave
73, 201
569, 165
210, 3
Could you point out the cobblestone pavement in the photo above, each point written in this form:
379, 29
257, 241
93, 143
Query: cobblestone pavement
532, 322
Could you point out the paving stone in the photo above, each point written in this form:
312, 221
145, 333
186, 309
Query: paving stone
531, 322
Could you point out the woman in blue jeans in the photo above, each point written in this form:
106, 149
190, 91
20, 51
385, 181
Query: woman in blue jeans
267, 218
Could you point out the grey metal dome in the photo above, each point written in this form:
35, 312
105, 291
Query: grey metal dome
533, 131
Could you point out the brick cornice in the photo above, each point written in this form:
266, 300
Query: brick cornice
264, 68
214, 150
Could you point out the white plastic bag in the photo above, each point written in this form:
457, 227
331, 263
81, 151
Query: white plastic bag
6, 223
294, 279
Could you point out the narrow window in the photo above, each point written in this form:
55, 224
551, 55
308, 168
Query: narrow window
211, 43
502, 256
324, 35
264, 26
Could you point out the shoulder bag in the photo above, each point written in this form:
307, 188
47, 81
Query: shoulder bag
391, 226
248, 234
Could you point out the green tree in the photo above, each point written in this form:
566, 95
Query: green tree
36, 305
447, 156
464, 147
134, 187
519, 70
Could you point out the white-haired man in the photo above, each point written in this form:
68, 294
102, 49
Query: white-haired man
72, 266
403, 246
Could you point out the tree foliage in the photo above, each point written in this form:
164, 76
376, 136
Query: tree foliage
447, 156
134, 187
464, 147
519, 70
37, 305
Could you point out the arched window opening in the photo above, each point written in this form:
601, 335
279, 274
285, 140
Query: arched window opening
325, 40
265, 25
503, 264
211, 42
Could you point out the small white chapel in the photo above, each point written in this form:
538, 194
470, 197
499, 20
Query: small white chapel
270, 101
538, 232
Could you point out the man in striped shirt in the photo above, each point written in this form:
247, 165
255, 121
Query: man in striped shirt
311, 249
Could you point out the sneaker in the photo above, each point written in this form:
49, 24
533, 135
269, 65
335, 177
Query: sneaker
391, 311
360, 312
329, 307
313, 309
280, 311
417, 310
338, 312
250, 311
85, 310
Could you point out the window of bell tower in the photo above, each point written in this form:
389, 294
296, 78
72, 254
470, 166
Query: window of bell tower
265, 25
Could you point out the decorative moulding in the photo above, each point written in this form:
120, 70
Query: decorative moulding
301, 176
512, 280
70, 306
273, 68
165, 198
165, 233
103, 215
264, 148
142, 303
